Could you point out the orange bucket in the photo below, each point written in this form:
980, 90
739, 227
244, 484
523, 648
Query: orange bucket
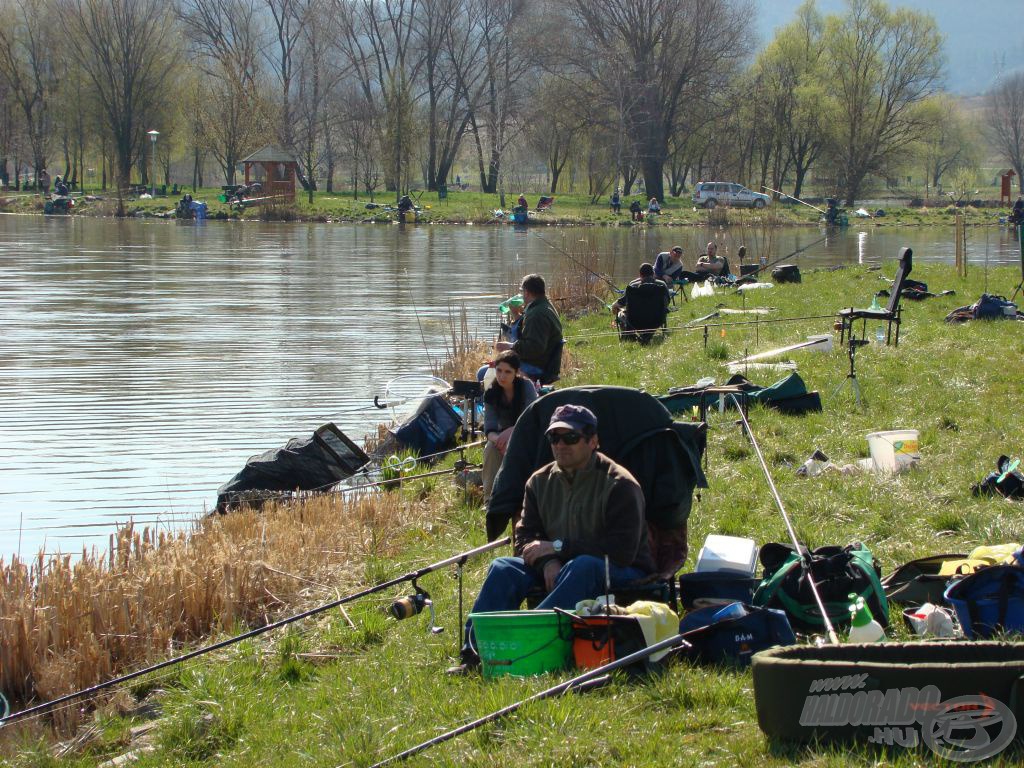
595, 643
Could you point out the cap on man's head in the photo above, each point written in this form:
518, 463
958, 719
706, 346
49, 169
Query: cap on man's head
646, 270
677, 249
574, 417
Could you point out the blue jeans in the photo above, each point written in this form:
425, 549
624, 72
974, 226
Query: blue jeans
582, 578
530, 370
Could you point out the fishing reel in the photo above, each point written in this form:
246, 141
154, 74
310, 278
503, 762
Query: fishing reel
407, 607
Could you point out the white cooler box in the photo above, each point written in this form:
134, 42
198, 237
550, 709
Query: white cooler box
727, 554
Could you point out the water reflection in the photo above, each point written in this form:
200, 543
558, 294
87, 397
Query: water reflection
143, 362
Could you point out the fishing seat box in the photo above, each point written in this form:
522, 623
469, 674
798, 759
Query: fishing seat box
724, 573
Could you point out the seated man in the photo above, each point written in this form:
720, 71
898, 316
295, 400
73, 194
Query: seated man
577, 511
636, 211
540, 333
669, 265
642, 309
654, 206
405, 205
710, 264
60, 187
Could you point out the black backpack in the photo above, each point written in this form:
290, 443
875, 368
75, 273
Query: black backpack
1006, 481
990, 307
837, 572
786, 273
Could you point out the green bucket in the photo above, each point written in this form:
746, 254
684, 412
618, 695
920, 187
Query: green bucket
522, 643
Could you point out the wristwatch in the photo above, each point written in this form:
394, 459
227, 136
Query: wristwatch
557, 545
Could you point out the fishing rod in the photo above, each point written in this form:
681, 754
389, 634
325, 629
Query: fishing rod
797, 252
689, 326
803, 552
580, 264
412, 576
591, 677
778, 192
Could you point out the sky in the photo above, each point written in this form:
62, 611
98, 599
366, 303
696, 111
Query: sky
982, 36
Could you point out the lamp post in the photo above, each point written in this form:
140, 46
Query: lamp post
152, 135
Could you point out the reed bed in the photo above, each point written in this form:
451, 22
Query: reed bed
71, 623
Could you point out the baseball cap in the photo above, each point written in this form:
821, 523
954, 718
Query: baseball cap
574, 417
677, 249
514, 301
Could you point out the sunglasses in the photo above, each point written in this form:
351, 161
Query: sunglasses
569, 438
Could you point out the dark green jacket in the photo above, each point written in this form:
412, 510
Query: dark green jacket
600, 512
635, 431
541, 334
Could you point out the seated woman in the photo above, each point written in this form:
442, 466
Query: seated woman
504, 401
654, 206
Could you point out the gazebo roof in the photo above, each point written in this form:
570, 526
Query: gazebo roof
270, 154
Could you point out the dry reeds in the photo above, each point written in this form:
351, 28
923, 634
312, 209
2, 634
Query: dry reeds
579, 286
69, 624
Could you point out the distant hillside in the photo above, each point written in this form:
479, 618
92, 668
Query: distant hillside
981, 37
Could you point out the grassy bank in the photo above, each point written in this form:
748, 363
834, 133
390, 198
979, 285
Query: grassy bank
333, 693
478, 208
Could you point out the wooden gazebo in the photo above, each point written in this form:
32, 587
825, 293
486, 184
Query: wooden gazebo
274, 168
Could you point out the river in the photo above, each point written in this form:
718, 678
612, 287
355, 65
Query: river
142, 362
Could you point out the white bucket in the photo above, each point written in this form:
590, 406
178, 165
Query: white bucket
894, 450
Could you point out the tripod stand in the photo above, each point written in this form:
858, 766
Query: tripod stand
851, 376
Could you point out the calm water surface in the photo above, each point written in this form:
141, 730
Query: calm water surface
141, 363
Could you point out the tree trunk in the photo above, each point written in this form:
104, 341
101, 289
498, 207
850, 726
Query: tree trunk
654, 182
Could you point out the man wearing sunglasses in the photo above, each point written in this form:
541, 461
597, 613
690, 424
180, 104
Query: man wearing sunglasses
577, 510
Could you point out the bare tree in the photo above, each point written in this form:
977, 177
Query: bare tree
379, 44
670, 52
289, 18
227, 113
504, 30
27, 65
1005, 117
123, 46
318, 75
450, 50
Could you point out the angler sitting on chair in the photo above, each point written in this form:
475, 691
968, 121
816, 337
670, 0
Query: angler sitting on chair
581, 513
641, 311
540, 334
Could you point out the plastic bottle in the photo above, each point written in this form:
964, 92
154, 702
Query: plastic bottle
880, 334
863, 628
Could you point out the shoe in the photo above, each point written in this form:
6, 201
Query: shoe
470, 663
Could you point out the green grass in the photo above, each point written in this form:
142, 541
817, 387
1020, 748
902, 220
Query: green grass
478, 208
328, 694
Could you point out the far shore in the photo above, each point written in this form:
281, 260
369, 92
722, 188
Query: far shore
476, 209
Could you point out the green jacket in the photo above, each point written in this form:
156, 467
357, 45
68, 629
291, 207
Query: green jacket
540, 335
601, 512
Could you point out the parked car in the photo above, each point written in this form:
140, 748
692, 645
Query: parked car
708, 194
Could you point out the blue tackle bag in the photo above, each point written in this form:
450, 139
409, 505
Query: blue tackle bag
733, 634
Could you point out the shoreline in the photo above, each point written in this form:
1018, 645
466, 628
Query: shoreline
475, 210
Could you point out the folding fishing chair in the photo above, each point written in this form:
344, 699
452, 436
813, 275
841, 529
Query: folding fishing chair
892, 314
645, 314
